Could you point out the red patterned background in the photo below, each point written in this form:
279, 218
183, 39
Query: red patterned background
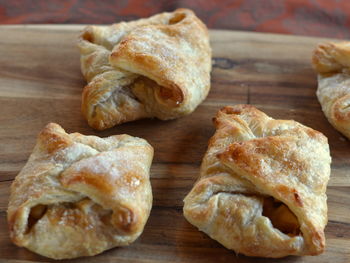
328, 18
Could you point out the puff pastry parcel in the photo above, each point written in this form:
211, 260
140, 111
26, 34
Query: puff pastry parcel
155, 67
80, 195
262, 185
332, 63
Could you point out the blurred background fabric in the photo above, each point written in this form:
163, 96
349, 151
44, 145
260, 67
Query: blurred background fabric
324, 18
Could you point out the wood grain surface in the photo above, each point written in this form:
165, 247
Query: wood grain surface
40, 82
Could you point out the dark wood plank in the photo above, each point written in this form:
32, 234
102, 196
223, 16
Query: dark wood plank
177, 240
41, 82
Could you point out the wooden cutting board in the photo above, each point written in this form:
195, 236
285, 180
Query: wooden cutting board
40, 82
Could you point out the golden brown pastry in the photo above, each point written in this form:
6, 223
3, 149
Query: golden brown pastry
332, 63
262, 185
155, 67
80, 195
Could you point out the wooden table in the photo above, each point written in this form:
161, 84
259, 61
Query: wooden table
40, 82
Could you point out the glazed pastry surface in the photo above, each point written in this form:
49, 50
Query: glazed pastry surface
80, 195
154, 67
332, 63
262, 184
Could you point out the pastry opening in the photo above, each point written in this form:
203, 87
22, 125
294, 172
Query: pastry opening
125, 220
87, 35
82, 213
91, 34
165, 95
281, 216
171, 97
178, 17
124, 98
35, 214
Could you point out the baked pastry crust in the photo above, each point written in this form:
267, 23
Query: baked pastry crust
332, 63
80, 195
155, 67
254, 161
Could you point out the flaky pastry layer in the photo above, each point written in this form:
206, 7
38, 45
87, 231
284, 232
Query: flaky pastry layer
80, 195
332, 63
262, 184
154, 67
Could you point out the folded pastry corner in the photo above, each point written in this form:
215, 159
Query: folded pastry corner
80, 195
262, 184
332, 63
154, 67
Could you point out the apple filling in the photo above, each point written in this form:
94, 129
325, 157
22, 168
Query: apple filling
281, 216
165, 95
80, 213
35, 214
